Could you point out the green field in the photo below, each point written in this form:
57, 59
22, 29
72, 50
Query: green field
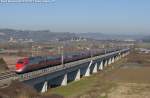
95, 83
76, 88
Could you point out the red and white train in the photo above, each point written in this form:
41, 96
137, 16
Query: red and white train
34, 63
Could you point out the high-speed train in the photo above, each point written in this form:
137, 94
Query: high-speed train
34, 63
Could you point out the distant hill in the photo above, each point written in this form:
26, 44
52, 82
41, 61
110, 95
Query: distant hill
39, 35
110, 36
47, 35
92, 35
146, 39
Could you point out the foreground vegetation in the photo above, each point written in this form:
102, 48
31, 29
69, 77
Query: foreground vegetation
3, 65
128, 75
94, 83
126, 78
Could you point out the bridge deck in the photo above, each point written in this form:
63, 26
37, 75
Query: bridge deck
9, 76
49, 70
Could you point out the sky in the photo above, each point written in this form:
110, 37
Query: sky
109, 16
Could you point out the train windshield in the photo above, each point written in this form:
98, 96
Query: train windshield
20, 62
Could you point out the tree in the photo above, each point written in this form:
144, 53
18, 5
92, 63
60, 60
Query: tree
3, 65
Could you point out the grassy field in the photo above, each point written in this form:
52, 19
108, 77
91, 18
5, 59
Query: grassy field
127, 79
86, 84
75, 88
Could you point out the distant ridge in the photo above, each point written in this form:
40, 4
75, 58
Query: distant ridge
35, 35
110, 36
146, 39
47, 35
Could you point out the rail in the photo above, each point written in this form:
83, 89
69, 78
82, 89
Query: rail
6, 78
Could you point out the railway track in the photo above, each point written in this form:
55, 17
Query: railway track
7, 74
6, 78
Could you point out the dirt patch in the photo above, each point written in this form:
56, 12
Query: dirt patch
16, 90
132, 78
130, 90
140, 58
132, 75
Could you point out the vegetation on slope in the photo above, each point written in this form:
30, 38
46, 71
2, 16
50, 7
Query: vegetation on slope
19, 90
3, 65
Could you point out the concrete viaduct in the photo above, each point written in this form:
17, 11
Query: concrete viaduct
62, 74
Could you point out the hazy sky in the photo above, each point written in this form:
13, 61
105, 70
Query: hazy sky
79, 16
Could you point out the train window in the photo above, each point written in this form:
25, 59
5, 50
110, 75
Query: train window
20, 62
58, 58
50, 58
53, 58
75, 55
33, 60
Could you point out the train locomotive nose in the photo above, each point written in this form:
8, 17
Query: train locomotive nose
19, 66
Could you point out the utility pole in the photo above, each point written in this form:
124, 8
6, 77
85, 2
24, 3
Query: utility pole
59, 50
32, 50
62, 55
91, 51
105, 51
